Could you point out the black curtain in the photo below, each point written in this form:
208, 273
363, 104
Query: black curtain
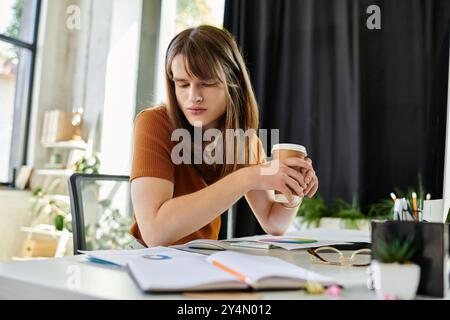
368, 104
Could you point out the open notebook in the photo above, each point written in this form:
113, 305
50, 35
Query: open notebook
164, 269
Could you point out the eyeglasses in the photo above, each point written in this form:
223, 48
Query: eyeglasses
332, 256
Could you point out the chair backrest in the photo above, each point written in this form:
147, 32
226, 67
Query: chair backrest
101, 211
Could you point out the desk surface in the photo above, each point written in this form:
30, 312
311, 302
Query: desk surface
75, 278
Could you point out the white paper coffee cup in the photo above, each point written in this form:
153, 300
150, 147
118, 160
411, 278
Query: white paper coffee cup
283, 151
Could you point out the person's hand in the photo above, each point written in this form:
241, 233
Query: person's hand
284, 176
311, 180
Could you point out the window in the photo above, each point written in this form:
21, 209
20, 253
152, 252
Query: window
18, 32
177, 16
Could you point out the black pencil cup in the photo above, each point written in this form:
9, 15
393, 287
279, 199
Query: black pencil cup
432, 251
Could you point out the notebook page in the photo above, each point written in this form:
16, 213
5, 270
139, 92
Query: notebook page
257, 268
180, 274
121, 257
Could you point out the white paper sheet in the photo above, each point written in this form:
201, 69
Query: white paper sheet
122, 257
345, 235
288, 246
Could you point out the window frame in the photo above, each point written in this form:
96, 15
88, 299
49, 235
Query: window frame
24, 126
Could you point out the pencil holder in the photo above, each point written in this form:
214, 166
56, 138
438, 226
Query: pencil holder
431, 241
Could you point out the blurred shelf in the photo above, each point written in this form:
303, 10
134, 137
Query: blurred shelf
4, 190
58, 197
44, 242
74, 144
54, 172
30, 258
36, 230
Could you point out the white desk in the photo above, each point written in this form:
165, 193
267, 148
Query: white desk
54, 279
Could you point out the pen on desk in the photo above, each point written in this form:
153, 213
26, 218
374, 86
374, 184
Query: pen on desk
409, 210
401, 214
420, 210
397, 205
394, 198
414, 199
239, 276
406, 209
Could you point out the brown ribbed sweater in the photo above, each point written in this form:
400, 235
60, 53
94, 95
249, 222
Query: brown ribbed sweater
152, 158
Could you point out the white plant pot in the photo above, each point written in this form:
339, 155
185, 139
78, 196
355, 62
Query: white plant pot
399, 280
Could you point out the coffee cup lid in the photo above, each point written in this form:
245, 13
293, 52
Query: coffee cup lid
289, 146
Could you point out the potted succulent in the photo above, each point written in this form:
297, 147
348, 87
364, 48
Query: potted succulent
393, 273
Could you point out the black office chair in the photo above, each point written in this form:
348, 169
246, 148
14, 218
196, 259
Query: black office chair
101, 211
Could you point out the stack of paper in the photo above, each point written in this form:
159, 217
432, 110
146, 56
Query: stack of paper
346, 235
286, 242
311, 238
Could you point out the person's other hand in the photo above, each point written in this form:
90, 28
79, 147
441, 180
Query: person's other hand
311, 180
283, 178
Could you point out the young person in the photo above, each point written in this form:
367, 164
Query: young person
208, 89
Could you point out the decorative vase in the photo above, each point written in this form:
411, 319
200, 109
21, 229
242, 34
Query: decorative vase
394, 279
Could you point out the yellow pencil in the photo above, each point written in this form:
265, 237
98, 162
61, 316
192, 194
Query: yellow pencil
414, 198
239, 276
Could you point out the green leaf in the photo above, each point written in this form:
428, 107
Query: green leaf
59, 223
395, 251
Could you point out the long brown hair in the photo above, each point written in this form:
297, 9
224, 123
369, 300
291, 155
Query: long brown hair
212, 53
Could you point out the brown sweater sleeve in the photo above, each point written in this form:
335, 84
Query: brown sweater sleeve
258, 155
152, 146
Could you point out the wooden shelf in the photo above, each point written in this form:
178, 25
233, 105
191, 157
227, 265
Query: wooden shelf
44, 242
54, 172
74, 144
30, 258
53, 233
58, 197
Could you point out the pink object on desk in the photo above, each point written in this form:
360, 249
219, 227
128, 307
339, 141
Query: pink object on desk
334, 291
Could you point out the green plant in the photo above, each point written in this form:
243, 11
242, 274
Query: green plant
382, 210
13, 30
192, 13
408, 194
396, 251
89, 165
50, 209
313, 209
385, 208
111, 231
348, 212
